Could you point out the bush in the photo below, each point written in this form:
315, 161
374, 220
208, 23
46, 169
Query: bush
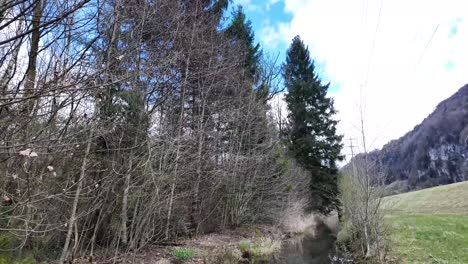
344, 236
183, 253
363, 230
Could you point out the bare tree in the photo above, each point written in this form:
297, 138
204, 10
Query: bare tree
129, 122
362, 191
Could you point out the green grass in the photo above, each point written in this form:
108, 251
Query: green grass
183, 253
447, 199
430, 226
245, 246
29, 260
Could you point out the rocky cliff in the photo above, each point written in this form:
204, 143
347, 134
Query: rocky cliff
435, 152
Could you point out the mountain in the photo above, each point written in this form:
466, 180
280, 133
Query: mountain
434, 153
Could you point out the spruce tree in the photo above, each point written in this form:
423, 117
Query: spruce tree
312, 135
242, 38
241, 33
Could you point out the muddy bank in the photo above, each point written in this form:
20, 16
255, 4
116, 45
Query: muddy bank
222, 247
258, 244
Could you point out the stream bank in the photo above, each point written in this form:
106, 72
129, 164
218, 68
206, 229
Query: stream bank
309, 239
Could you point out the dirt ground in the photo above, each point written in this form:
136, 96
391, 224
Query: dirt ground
222, 247
207, 248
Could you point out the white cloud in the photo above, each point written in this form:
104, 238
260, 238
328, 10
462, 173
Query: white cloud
273, 35
408, 77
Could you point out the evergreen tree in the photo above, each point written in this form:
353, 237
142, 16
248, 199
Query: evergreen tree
313, 140
240, 32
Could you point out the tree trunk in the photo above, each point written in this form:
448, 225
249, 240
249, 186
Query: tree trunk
125, 204
72, 219
31, 71
179, 132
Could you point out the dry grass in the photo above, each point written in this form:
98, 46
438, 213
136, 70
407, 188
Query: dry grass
298, 223
331, 221
294, 221
265, 246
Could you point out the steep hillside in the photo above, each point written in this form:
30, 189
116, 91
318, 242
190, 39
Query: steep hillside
435, 152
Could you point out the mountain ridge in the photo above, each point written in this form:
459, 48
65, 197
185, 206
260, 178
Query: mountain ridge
434, 152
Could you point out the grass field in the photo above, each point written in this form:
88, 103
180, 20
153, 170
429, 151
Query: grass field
431, 225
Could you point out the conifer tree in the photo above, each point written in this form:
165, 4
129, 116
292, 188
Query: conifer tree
240, 32
312, 137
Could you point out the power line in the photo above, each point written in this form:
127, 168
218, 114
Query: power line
371, 55
427, 45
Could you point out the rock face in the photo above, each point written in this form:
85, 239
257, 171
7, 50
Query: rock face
435, 152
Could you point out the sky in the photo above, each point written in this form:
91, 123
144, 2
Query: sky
395, 59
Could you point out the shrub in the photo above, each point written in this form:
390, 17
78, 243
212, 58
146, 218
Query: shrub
363, 228
183, 253
344, 236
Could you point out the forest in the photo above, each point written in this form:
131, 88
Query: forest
125, 123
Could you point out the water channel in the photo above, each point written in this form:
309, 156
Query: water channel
317, 247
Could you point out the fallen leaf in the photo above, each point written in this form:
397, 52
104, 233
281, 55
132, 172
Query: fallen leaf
25, 152
28, 153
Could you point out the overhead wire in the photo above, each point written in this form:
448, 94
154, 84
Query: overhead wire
371, 55
426, 47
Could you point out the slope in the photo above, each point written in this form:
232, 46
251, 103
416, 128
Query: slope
431, 225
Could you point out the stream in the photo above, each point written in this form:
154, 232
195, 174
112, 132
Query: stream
310, 249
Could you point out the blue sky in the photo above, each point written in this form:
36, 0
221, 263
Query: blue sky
267, 16
264, 15
395, 59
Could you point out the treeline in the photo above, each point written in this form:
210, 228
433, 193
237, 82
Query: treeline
124, 123
129, 122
